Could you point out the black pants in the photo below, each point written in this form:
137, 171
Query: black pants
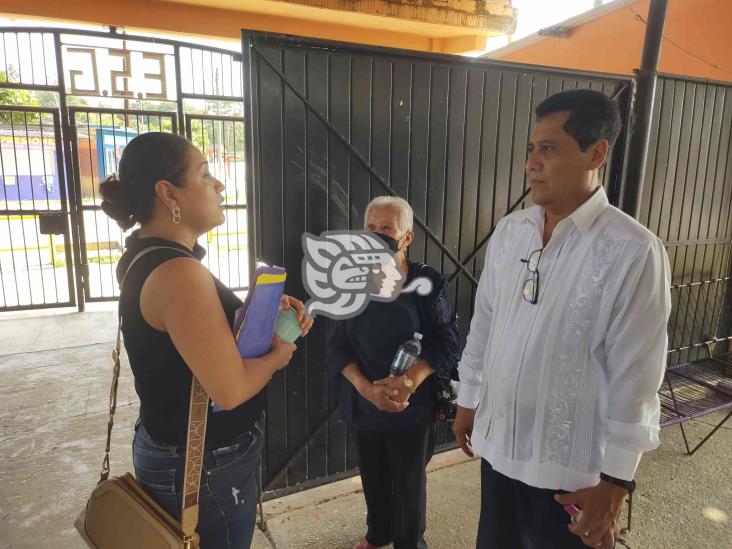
514, 515
394, 481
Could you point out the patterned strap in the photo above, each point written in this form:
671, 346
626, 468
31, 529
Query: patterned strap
197, 416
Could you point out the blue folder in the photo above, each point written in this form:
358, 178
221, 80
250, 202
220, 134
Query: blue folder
254, 321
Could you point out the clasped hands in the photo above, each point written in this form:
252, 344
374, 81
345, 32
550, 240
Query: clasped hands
390, 394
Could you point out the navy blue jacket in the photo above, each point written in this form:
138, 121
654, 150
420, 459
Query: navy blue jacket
372, 339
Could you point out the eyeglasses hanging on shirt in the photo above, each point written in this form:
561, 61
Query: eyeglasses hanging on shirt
531, 286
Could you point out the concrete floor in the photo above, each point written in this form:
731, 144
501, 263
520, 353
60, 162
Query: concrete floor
55, 371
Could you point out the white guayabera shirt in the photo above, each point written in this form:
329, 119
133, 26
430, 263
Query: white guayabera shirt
566, 388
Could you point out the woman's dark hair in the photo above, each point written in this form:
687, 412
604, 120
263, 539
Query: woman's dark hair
592, 115
129, 196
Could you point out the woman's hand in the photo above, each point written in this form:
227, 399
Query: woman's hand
381, 397
306, 321
281, 351
398, 386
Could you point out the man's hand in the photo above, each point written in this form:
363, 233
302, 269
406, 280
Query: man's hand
396, 383
601, 506
462, 428
381, 397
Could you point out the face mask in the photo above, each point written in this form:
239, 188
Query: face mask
391, 243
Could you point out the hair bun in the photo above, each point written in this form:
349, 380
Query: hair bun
116, 201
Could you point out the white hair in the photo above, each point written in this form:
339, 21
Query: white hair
405, 215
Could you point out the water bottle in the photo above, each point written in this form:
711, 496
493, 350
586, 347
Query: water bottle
407, 355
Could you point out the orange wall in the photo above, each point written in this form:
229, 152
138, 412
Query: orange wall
613, 42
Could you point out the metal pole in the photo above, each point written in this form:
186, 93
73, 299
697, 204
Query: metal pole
73, 186
642, 108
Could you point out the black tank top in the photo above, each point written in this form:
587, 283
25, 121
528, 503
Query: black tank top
162, 378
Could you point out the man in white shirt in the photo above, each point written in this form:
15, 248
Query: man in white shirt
567, 344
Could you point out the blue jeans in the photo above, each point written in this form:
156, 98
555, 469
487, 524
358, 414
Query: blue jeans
228, 494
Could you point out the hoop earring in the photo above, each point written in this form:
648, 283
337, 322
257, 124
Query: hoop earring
176, 215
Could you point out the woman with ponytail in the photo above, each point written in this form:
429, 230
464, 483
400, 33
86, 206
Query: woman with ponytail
177, 322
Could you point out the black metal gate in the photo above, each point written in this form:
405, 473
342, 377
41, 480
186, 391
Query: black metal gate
36, 270
687, 199
99, 136
330, 126
56, 246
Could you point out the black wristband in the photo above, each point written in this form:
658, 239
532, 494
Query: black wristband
629, 485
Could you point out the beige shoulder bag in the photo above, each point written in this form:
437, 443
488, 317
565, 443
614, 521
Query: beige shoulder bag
119, 513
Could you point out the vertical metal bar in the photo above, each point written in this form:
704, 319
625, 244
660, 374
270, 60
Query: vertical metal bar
461, 194
5, 58
203, 152
391, 121
48, 205
480, 164
17, 57
235, 175
528, 134
179, 86
113, 169
227, 233
513, 138
726, 262
2, 277
645, 79
409, 140
73, 186
32, 68
672, 201
61, 173
447, 164
249, 91
213, 73
499, 95
43, 59
85, 250
306, 217
664, 184
214, 125
371, 127
12, 258
283, 188
427, 162
40, 259
43, 156
20, 203
2, 171
35, 210
30, 164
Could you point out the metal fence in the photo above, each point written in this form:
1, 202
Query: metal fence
332, 126
35, 244
159, 84
687, 199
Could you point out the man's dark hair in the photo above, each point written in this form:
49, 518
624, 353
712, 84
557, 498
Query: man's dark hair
592, 115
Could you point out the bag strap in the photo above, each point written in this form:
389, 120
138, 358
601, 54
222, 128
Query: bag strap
197, 418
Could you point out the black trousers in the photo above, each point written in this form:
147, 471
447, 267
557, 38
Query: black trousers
394, 481
514, 515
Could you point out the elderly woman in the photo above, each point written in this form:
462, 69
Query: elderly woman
394, 417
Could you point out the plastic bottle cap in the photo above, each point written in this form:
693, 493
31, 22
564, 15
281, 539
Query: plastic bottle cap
417, 335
